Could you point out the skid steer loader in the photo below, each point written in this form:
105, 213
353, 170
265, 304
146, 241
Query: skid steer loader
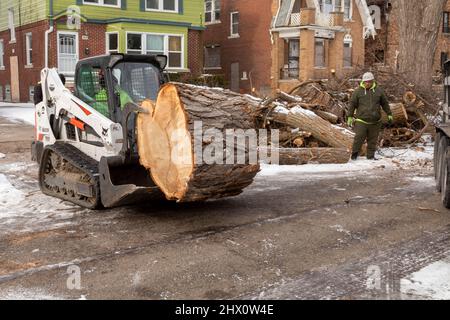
85, 141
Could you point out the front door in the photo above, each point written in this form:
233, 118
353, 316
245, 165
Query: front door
67, 52
235, 85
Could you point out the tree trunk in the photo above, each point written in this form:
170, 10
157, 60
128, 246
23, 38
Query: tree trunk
398, 112
171, 150
322, 130
294, 156
419, 22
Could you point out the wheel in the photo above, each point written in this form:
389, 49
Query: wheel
435, 154
442, 148
445, 179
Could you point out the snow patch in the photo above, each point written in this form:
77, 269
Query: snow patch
432, 282
393, 158
18, 112
9, 196
282, 110
300, 110
20, 293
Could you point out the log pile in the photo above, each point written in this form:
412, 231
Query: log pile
310, 120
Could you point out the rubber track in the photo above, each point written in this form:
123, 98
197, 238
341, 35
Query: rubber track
80, 161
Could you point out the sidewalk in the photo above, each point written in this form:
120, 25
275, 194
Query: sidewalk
17, 112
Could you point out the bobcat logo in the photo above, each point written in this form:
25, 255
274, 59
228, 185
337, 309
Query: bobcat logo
105, 132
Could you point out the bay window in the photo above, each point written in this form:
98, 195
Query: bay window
153, 44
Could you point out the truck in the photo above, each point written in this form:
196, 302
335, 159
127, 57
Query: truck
441, 157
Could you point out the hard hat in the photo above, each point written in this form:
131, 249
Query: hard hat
368, 76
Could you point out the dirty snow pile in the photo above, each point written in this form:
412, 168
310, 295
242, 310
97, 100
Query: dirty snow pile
432, 282
403, 158
9, 195
18, 112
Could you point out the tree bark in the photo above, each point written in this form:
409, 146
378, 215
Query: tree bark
302, 156
320, 129
170, 150
419, 22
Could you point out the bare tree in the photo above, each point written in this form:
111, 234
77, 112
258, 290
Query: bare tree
419, 22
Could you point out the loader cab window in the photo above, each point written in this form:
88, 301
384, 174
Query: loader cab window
92, 89
140, 81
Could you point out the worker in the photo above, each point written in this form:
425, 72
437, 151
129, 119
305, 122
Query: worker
367, 101
101, 97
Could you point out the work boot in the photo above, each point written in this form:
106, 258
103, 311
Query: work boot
355, 156
373, 158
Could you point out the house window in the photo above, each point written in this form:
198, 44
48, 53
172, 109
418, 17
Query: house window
319, 59
347, 9
293, 59
212, 11
162, 5
2, 55
11, 27
326, 6
106, 3
29, 48
134, 43
175, 52
112, 42
329, 6
446, 23
348, 55
212, 57
234, 24
153, 44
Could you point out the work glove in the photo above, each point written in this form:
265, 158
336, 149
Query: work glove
350, 121
390, 120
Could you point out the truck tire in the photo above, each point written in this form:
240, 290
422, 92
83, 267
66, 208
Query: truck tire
435, 154
441, 152
445, 179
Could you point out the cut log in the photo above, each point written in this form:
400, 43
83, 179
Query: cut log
172, 152
409, 98
398, 112
320, 129
330, 117
288, 98
294, 156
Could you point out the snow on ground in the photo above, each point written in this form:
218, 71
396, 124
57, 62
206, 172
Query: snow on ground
18, 112
9, 196
27, 294
432, 282
23, 208
389, 159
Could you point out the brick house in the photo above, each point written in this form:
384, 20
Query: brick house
58, 33
318, 39
384, 49
237, 43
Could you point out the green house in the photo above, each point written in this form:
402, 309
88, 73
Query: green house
57, 33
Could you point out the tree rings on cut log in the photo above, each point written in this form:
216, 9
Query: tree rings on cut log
172, 151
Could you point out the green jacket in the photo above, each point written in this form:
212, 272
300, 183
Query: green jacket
368, 103
101, 100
